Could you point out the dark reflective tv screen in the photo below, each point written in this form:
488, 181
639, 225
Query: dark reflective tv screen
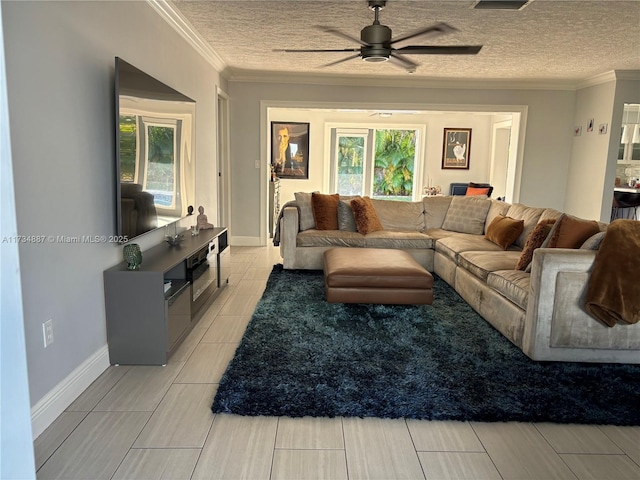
155, 152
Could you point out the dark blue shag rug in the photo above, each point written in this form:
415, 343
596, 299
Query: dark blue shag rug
301, 356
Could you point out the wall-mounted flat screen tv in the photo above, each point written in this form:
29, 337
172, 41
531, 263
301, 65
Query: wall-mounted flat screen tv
155, 152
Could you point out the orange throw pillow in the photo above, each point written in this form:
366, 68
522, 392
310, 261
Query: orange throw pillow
503, 231
325, 210
477, 191
572, 232
365, 215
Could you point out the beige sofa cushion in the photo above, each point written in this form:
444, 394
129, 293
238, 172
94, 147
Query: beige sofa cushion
329, 238
467, 215
511, 284
530, 215
483, 263
435, 209
550, 214
396, 215
398, 239
452, 246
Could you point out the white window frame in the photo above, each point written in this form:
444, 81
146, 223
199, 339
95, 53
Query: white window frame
369, 132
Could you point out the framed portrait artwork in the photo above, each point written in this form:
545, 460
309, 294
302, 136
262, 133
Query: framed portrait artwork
456, 148
290, 149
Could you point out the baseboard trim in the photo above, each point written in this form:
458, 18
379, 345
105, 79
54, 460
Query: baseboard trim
246, 241
62, 395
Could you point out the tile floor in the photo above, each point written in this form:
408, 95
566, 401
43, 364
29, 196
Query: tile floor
141, 422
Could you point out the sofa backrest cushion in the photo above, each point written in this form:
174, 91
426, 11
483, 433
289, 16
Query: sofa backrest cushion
530, 215
435, 209
365, 215
503, 231
303, 200
550, 214
396, 215
467, 215
325, 210
497, 207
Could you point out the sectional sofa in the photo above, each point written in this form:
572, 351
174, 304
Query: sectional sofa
540, 309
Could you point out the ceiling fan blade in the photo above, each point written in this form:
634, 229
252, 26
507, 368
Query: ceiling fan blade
351, 57
432, 31
337, 32
293, 50
402, 62
441, 50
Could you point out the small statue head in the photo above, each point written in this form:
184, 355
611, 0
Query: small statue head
190, 210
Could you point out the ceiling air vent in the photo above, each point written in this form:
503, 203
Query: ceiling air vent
500, 4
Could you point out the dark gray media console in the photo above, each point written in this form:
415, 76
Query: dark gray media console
146, 321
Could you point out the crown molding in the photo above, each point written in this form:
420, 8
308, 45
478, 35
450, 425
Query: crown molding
180, 24
607, 77
627, 74
259, 76
599, 79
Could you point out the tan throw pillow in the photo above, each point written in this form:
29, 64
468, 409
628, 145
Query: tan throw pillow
365, 215
503, 231
534, 241
325, 210
572, 232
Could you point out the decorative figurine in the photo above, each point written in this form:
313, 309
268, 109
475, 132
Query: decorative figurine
203, 223
132, 255
190, 210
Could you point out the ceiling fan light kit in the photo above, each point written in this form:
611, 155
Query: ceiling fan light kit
377, 44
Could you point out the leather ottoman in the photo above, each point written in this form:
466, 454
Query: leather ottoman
375, 275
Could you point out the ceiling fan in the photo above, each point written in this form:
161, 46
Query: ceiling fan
377, 45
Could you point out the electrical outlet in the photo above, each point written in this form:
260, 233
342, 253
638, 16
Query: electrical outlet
47, 332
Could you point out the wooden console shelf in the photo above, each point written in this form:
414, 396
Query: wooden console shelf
146, 322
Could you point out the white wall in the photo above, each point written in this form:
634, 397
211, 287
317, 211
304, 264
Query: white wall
547, 148
587, 168
16, 447
60, 68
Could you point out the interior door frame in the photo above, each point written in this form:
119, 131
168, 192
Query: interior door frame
519, 127
223, 161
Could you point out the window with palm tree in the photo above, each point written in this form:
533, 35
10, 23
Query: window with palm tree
384, 170
394, 164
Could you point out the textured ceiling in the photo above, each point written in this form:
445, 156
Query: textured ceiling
548, 40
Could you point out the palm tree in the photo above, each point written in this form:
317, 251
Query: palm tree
350, 164
394, 160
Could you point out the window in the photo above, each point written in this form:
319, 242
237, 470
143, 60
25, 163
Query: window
350, 166
160, 174
128, 142
629, 148
378, 162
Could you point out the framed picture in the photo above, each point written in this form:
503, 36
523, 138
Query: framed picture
290, 149
456, 148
